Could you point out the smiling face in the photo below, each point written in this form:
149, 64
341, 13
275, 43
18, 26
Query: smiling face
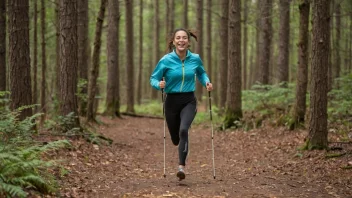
181, 41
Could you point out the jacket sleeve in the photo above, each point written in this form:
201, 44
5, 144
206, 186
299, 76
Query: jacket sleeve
157, 75
201, 74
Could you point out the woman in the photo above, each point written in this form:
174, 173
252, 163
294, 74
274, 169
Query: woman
175, 73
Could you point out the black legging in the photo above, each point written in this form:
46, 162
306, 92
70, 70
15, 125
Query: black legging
180, 110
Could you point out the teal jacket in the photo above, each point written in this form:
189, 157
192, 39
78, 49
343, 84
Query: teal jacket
179, 76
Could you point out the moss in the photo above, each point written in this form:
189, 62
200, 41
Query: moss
333, 155
295, 122
231, 117
346, 167
111, 110
309, 146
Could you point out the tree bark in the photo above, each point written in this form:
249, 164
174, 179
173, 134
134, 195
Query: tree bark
3, 70
256, 66
167, 19
43, 80
209, 40
19, 60
350, 47
68, 60
337, 44
318, 133
233, 104
172, 16
83, 49
302, 70
185, 14
199, 44
265, 41
94, 71
112, 89
129, 55
284, 39
156, 40
35, 56
252, 62
223, 52
332, 46
57, 66
245, 42
140, 58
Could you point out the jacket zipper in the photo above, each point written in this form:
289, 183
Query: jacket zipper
183, 74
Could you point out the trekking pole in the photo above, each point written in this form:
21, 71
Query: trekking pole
162, 99
212, 134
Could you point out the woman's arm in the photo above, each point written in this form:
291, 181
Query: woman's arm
201, 73
157, 75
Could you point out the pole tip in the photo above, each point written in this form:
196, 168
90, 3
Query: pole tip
214, 177
164, 176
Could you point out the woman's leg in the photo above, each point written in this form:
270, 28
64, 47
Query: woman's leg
187, 115
173, 124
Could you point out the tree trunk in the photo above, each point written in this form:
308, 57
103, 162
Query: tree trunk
3, 45
83, 49
318, 133
185, 14
265, 41
347, 50
68, 60
42, 89
167, 19
172, 15
57, 66
112, 89
150, 60
332, 46
302, 70
284, 39
209, 40
94, 71
233, 104
215, 75
337, 44
140, 58
245, 42
156, 40
35, 56
252, 62
199, 44
256, 66
129, 55
223, 52
350, 47
19, 60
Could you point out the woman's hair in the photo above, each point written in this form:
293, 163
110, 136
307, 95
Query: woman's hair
170, 45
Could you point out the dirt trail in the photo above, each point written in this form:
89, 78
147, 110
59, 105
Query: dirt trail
259, 163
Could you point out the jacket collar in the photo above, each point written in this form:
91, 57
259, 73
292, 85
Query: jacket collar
174, 54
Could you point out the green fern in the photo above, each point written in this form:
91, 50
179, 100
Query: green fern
11, 190
63, 124
20, 169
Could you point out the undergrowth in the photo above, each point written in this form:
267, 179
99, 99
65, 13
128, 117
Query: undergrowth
273, 104
21, 165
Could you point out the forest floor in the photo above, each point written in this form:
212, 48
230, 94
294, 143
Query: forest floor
259, 163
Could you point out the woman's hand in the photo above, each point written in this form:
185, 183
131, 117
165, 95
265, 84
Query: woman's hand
209, 86
162, 84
